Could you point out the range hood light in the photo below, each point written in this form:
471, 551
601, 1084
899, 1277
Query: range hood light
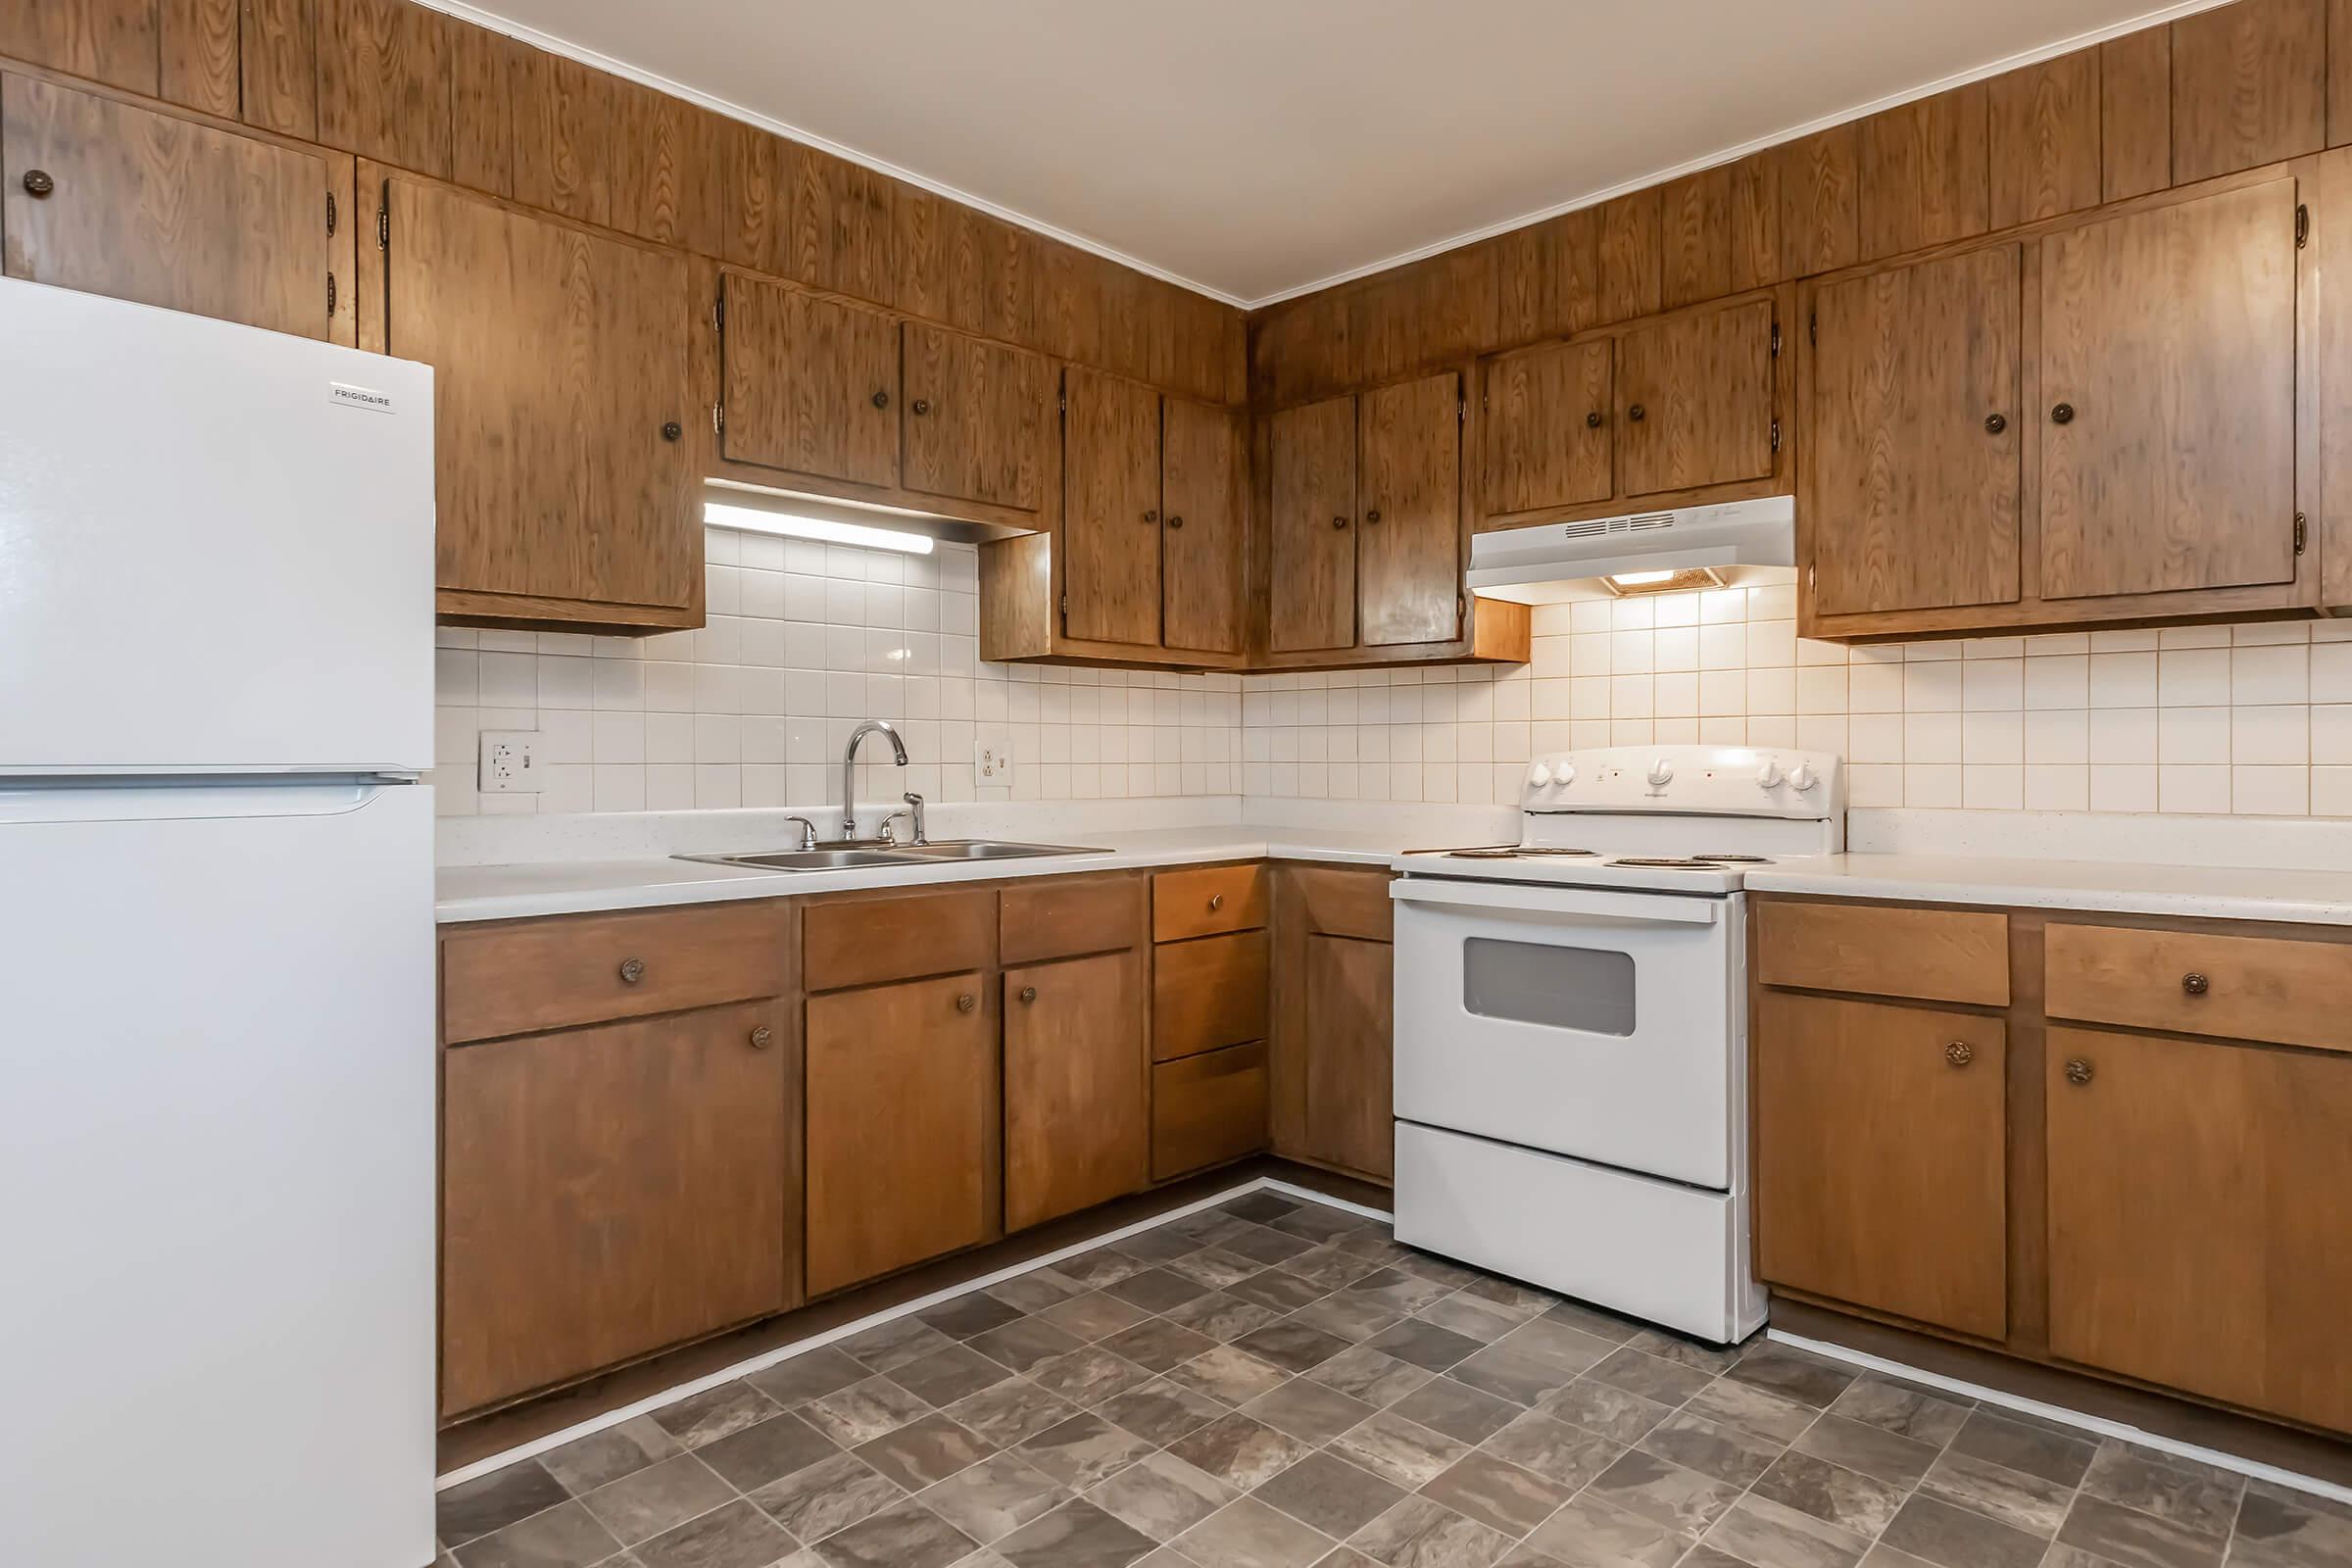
752, 519
1640, 579
1622, 583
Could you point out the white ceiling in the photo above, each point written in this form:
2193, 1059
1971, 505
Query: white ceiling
1254, 149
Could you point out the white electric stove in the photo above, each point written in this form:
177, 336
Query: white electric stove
1571, 1027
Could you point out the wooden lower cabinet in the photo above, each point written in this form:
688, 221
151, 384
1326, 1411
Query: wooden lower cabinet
2196, 1217
608, 1190
1332, 1019
1879, 1149
1208, 1109
1077, 1118
902, 1098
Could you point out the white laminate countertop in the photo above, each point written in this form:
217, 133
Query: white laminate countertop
573, 887
2116, 887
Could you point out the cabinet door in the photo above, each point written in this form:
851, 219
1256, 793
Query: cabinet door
1547, 416
607, 1192
812, 384
1077, 1107
114, 41
1695, 401
557, 357
1312, 527
167, 212
2195, 1197
2168, 385
1203, 466
975, 425
1879, 1158
902, 1103
1110, 509
1349, 1114
1913, 474
1409, 555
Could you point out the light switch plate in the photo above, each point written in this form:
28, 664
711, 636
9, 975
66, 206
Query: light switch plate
510, 761
992, 756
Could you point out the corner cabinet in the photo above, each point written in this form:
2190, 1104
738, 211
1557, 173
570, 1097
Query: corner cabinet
1334, 961
2111, 420
561, 406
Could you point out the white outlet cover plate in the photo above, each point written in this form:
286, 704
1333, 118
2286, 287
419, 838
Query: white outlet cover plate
508, 763
992, 756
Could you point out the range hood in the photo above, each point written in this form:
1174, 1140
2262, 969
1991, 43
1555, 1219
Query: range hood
1739, 541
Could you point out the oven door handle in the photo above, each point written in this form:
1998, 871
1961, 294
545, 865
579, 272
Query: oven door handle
1572, 903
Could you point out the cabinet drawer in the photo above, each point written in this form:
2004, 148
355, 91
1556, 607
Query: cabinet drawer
1208, 1108
1932, 955
1206, 902
1063, 917
859, 941
1208, 993
2193, 982
552, 974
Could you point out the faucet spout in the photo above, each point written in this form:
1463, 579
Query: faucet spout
848, 768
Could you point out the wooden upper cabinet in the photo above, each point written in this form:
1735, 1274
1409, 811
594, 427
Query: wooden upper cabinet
809, 384
2135, 114
1815, 184
1695, 401
1546, 414
1111, 520
2042, 135
2194, 1237
1913, 471
1923, 173
148, 207
974, 426
1881, 1159
902, 1103
1694, 237
114, 41
1204, 469
1409, 554
2167, 440
1311, 527
608, 1190
277, 66
2250, 86
560, 372
1633, 262
384, 75
1077, 1094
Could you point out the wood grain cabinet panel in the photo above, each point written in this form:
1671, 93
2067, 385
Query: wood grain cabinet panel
1633, 261
1204, 473
560, 369
2199, 983
1913, 475
2167, 442
2195, 1218
1880, 1150
810, 385
1110, 519
1346, 985
553, 974
903, 1108
1311, 529
1549, 276
196, 48
384, 81
277, 66
1077, 1090
113, 41
1207, 1110
1924, 177
2250, 86
1547, 416
2135, 114
1206, 902
1695, 401
974, 426
858, 941
1208, 994
1409, 554
1815, 181
609, 1191
1695, 228
168, 212
1932, 955
2042, 133
1069, 916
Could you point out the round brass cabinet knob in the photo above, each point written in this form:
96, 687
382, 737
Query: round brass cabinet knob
1593, 422
1339, 522
921, 406
1373, 515
38, 182
1995, 424
672, 430
1637, 413
2062, 414
1175, 522
1028, 992
966, 1003
881, 400
762, 1037
2078, 1071
2195, 984
1959, 1053
1152, 515
632, 970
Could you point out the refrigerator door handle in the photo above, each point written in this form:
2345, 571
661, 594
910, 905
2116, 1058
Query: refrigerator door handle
34, 800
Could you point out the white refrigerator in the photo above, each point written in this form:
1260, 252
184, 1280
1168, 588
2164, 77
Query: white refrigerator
217, 1045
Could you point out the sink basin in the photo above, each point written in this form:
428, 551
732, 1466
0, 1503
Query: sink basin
986, 849
804, 859
840, 857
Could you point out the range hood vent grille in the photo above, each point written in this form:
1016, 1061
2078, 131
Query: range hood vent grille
1526, 561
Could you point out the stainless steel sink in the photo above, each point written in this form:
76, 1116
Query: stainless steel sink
839, 857
804, 859
986, 849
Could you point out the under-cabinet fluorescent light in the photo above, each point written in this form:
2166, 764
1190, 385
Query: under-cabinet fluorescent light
1635, 580
752, 520
1662, 581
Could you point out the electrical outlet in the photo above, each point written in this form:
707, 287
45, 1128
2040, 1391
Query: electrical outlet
991, 758
510, 761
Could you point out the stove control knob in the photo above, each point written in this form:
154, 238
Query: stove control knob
1800, 777
1769, 775
1661, 773
1566, 774
1537, 776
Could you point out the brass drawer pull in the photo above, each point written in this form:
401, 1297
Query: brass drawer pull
2078, 1071
762, 1037
1959, 1053
1028, 992
2195, 984
38, 182
966, 1003
632, 970
1216, 901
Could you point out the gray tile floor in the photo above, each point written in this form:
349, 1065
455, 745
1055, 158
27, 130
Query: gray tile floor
1277, 1385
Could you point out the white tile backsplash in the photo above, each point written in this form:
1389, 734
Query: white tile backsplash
802, 641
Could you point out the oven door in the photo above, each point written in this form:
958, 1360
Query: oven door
1596, 1024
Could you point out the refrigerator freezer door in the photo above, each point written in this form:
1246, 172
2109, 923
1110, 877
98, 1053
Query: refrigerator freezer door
217, 1151
216, 544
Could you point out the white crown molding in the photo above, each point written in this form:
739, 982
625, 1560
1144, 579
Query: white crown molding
548, 41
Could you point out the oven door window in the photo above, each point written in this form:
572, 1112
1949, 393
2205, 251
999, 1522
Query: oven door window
1586, 989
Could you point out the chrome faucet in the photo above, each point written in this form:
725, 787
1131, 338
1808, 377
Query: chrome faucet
914, 821
848, 769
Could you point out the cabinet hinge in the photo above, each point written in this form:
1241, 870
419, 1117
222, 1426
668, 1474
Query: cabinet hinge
1813, 330
2302, 225
1062, 404
718, 314
1776, 435
1462, 411
718, 419
1776, 339
2302, 533
383, 229
330, 296
331, 213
